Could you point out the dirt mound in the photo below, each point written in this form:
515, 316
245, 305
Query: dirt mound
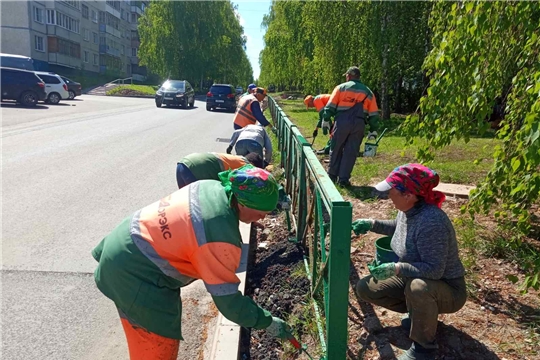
276, 281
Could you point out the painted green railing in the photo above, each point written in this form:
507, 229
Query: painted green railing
321, 221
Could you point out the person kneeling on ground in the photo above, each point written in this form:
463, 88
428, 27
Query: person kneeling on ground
207, 166
428, 279
251, 139
191, 234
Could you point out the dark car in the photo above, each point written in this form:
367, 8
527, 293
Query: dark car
16, 62
271, 88
175, 93
74, 88
23, 86
221, 96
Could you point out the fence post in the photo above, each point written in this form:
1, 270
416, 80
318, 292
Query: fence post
338, 280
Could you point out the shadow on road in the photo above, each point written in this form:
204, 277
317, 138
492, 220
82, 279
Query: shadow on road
14, 105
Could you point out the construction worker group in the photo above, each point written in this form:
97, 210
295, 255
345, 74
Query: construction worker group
192, 234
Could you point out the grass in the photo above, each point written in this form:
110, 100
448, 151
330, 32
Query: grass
133, 90
455, 163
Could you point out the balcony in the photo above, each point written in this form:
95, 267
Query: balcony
134, 60
135, 43
136, 9
112, 10
109, 30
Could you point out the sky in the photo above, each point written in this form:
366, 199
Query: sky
251, 14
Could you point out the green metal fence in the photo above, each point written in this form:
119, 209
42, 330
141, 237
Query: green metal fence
321, 221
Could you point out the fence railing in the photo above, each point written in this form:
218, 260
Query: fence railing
321, 221
122, 81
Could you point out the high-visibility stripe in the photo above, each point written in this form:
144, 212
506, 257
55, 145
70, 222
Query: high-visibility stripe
196, 214
148, 250
248, 115
221, 289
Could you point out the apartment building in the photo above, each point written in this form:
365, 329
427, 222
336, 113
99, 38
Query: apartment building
73, 36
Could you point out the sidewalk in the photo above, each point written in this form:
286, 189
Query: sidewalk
227, 334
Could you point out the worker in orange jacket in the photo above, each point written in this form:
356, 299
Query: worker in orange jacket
319, 102
191, 234
352, 104
248, 111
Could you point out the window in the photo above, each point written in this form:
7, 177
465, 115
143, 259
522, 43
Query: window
85, 11
123, 49
38, 15
38, 43
102, 17
95, 38
94, 16
127, 34
133, 51
62, 20
96, 59
86, 56
49, 79
65, 47
86, 35
133, 18
50, 17
74, 3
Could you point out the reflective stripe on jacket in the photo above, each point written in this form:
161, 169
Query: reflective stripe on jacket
243, 115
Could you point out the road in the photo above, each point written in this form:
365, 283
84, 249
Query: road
70, 174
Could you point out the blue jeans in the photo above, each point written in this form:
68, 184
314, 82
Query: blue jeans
244, 147
184, 176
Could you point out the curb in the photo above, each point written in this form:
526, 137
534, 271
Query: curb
227, 335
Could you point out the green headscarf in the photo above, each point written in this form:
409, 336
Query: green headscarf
253, 187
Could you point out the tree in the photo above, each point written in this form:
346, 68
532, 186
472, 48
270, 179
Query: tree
484, 52
195, 40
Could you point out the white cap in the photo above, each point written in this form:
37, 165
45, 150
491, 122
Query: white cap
383, 186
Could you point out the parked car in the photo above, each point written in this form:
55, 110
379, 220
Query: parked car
221, 96
74, 88
239, 90
175, 93
271, 88
16, 62
23, 86
55, 87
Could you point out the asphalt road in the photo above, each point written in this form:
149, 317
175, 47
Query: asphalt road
70, 174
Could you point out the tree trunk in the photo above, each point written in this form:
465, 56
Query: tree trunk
399, 91
384, 81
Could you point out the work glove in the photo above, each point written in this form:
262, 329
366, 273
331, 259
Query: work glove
229, 149
372, 135
362, 226
279, 328
315, 133
382, 271
325, 125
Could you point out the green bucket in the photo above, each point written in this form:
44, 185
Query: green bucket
384, 251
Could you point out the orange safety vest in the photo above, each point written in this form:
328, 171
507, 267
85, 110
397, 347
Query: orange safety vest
244, 116
320, 101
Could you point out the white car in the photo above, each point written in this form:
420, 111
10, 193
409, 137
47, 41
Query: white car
55, 87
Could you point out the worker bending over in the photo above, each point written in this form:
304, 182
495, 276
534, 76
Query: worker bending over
251, 139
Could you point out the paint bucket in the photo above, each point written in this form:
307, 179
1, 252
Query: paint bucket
384, 252
370, 150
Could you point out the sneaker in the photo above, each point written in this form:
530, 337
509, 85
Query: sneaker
418, 352
333, 178
321, 152
344, 183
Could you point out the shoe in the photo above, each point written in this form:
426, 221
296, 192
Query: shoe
418, 352
321, 152
326, 161
333, 178
406, 323
344, 183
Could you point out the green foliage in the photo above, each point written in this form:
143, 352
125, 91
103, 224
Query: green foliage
132, 90
201, 41
484, 52
309, 45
